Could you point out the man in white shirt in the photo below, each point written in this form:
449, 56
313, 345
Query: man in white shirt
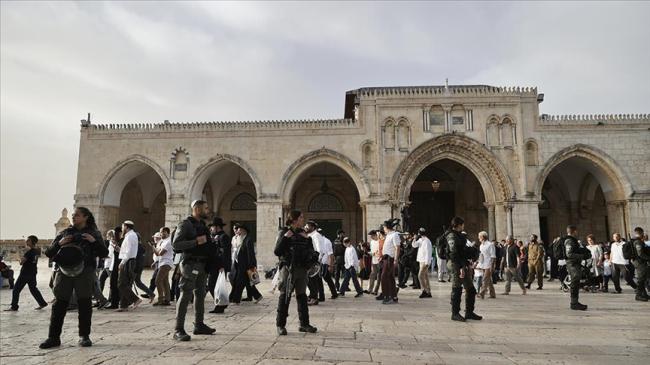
389, 261
315, 282
327, 266
154, 265
128, 253
619, 265
351, 263
374, 252
424, 258
165, 254
489, 261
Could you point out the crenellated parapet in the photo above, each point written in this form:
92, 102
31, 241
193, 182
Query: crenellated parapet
594, 119
428, 91
271, 125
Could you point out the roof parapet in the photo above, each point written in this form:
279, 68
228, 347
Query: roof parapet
461, 90
594, 119
269, 125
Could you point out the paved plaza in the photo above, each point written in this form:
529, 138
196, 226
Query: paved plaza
534, 329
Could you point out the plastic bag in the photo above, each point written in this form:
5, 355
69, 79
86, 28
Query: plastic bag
221, 290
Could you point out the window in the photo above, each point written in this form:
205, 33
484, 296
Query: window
243, 201
325, 203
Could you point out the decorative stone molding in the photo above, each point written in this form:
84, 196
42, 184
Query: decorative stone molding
428, 91
268, 125
476, 157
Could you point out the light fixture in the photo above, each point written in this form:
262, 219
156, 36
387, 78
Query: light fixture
324, 188
238, 180
435, 185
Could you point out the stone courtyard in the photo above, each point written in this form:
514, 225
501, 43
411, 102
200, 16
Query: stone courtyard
534, 329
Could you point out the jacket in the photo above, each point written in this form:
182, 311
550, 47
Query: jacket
641, 250
91, 250
535, 252
457, 246
185, 240
283, 245
246, 255
574, 252
223, 258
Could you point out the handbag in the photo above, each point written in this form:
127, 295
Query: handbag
253, 276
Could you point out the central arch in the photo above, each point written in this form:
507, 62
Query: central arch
476, 157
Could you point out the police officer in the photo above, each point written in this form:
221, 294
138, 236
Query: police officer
641, 264
459, 270
339, 257
575, 253
293, 274
193, 240
75, 250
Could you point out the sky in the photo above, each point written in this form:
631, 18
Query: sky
144, 62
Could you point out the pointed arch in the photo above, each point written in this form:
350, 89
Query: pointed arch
125, 170
203, 173
477, 158
316, 157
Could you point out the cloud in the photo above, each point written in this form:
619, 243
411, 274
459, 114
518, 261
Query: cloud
140, 62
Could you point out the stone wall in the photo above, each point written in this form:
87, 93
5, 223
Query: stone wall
13, 250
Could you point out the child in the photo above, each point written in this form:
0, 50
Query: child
366, 264
607, 271
351, 262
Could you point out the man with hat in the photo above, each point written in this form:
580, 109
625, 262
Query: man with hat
339, 257
128, 254
389, 260
222, 258
193, 240
244, 261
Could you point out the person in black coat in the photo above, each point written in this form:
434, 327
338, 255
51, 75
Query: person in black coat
244, 260
222, 262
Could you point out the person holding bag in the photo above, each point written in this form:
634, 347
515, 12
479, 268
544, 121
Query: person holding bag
245, 261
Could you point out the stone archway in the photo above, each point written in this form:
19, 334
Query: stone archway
110, 188
205, 170
477, 158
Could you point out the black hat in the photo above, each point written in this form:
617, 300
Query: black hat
237, 225
339, 231
382, 232
389, 223
372, 233
217, 222
245, 227
313, 224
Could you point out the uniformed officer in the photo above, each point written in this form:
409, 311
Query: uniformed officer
459, 270
75, 250
198, 251
641, 264
575, 253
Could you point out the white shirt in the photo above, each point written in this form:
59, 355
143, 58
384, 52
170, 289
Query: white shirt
327, 251
156, 258
108, 263
391, 244
129, 249
318, 241
351, 258
489, 252
424, 253
167, 259
374, 248
617, 254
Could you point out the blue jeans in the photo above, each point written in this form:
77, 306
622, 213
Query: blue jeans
350, 273
479, 283
138, 282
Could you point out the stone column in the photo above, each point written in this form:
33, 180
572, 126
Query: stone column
500, 221
620, 208
268, 212
447, 109
491, 221
109, 217
509, 207
364, 226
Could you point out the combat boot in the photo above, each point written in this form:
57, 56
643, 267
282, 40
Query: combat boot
456, 295
639, 295
470, 300
283, 313
303, 314
575, 305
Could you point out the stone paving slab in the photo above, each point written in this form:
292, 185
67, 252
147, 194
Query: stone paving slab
534, 329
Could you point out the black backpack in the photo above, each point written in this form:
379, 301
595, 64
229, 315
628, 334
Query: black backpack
629, 252
139, 259
558, 248
339, 248
442, 248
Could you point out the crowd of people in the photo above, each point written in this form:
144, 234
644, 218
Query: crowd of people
198, 257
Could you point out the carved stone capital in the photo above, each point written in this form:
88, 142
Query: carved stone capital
490, 207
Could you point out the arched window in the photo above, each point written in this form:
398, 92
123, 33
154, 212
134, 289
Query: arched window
325, 203
493, 132
367, 156
243, 201
506, 132
531, 154
403, 131
389, 135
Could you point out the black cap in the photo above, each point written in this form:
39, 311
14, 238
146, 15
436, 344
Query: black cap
243, 226
422, 231
339, 231
313, 224
372, 233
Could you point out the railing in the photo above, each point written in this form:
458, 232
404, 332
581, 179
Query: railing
415, 91
597, 119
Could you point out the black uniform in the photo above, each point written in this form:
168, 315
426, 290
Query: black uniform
83, 284
575, 253
641, 265
223, 260
339, 260
459, 258
196, 262
286, 250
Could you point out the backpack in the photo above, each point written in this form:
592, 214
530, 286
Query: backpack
339, 248
442, 248
629, 252
139, 259
558, 248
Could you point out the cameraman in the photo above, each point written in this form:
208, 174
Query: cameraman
193, 240
290, 239
83, 235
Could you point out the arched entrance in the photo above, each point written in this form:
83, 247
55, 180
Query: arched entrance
443, 190
584, 187
229, 186
327, 187
136, 189
467, 161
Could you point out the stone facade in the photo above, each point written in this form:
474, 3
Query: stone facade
501, 164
